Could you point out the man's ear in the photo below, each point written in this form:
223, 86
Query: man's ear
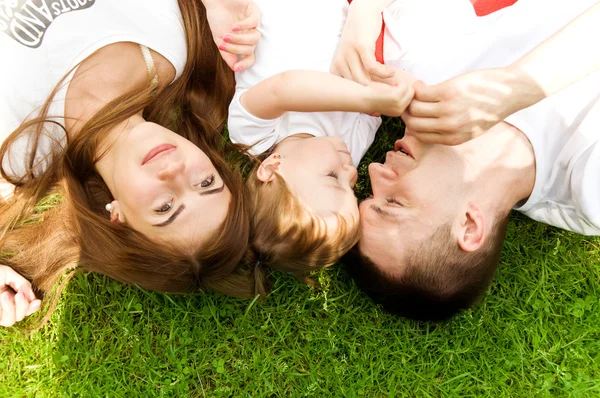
268, 167
470, 231
116, 215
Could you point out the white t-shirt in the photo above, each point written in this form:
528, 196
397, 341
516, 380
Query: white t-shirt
297, 35
41, 41
563, 129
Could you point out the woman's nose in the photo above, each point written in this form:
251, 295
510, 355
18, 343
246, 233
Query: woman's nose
170, 170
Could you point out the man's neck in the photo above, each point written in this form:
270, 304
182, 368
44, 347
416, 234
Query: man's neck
501, 165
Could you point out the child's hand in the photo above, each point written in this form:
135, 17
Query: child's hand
389, 100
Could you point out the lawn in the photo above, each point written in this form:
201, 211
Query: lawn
536, 333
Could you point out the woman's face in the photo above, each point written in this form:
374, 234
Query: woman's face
163, 185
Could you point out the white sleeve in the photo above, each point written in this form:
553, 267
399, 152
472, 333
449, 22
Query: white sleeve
245, 128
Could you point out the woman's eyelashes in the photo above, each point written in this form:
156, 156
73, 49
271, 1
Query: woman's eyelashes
165, 207
208, 182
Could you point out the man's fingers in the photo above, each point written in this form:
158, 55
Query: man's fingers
421, 124
424, 109
426, 93
7, 305
357, 71
33, 307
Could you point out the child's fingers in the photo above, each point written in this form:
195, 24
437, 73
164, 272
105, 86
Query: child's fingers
249, 37
358, 73
374, 68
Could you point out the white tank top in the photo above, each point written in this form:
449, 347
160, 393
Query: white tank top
42, 40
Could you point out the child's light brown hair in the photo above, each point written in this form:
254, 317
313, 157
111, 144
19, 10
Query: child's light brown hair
286, 235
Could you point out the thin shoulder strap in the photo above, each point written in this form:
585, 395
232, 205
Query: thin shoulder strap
149, 64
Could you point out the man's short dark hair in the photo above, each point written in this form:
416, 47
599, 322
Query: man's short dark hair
439, 279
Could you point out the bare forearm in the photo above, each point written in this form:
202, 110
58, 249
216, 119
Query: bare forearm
306, 91
565, 58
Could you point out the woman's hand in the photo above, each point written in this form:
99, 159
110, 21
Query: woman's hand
354, 58
17, 299
466, 106
234, 25
389, 100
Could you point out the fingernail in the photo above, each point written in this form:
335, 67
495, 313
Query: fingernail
237, 69
227, 38
222, 47
235, 28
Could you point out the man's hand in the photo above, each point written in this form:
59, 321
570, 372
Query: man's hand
17, 299
389, 100
354, 58
466, 106
234, 25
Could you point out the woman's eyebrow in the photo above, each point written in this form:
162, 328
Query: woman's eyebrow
213, 191
170, 219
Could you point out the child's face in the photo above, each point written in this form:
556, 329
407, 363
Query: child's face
320, 171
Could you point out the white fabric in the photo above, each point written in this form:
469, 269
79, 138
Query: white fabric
564, 129
297, 35
41, 41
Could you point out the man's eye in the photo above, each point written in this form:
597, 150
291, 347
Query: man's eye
208, 182
393, 201
333, 174
165, 207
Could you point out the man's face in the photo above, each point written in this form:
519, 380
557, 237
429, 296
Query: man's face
414, 192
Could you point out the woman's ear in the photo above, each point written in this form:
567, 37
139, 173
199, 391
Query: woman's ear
268, 167
116, 215
471, 229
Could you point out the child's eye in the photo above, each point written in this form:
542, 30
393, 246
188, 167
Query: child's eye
165, 207
393, 201
208, 182
333, 174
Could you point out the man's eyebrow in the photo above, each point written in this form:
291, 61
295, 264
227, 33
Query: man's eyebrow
382, 212
213, 191
170, 219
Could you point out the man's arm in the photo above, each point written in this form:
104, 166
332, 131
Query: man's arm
314, 91
466, 106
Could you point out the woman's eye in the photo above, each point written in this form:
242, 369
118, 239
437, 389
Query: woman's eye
165, 207
333, 174
208, 182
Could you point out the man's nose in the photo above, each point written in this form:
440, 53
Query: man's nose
171, 170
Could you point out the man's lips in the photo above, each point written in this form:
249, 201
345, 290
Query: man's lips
401, 144
157, 150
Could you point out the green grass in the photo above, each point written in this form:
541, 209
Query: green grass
536, 333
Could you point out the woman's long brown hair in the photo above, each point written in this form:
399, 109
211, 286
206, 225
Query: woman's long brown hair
76, 232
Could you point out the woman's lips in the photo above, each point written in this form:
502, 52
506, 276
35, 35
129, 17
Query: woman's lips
159, 149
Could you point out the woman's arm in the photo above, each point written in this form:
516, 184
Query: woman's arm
17, 299
234, 26
466, 106
313, 91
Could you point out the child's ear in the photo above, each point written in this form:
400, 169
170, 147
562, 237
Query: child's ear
471, 229
268, 167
